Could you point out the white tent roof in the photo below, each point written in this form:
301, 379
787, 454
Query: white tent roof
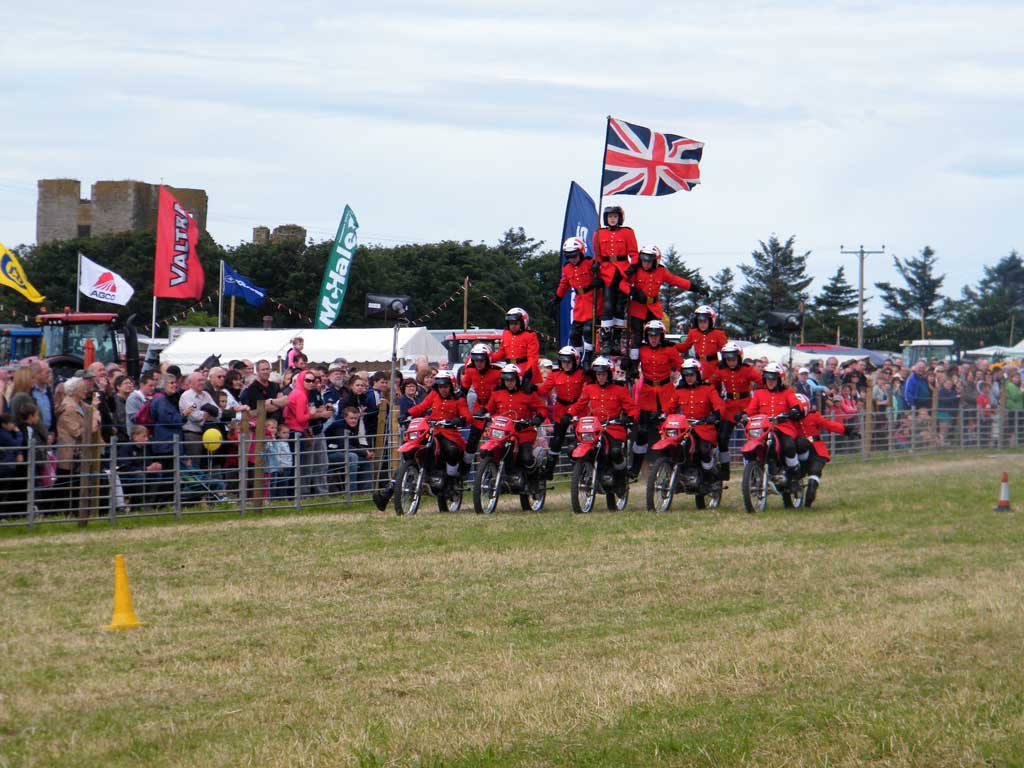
1015, 351
800, 356
365, 345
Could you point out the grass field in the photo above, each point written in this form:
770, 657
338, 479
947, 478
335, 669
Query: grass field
885, 627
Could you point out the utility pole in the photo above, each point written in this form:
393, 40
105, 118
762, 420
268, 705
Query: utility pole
861, 253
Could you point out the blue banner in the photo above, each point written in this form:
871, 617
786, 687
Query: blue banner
581, 222
237, 285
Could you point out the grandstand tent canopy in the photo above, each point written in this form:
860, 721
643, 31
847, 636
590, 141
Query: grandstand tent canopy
363, 345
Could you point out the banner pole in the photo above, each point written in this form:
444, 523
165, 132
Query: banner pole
600, 202
232, 311
220, 298
152, 328
78, 285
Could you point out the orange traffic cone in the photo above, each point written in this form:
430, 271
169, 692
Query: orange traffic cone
124, 615
1004, 495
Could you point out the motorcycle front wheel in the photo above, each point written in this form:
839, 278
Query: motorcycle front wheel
485, 487
583, 488
660, 486
408, 489
755, 497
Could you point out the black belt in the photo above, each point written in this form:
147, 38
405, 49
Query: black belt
583, 291
564, 402
737, 397
616, 258
520, 360
709, 358
652, 383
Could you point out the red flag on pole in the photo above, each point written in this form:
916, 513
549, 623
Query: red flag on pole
177, 273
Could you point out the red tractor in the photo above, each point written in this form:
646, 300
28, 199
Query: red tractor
68, 336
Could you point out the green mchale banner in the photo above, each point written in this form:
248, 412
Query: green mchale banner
332, 291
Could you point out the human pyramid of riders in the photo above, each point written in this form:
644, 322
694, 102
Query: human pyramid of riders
696, 417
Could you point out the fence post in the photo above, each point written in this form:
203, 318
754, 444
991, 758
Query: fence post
297, 471
176, 474
32, 471
348, 469
868, 423
260, 447
243, 466
112, 483
1003, 443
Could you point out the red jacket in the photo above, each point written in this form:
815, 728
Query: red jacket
697, 403
579, 279
517, 405
567, 388
650, 283
706, 347
810, 426
483, 383
735, 384
444, 408
615, 249
521, 348
604, 403
656, 366
773, 403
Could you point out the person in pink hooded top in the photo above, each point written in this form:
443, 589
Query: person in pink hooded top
296, 416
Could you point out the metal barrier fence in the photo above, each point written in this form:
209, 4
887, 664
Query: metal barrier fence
123, 480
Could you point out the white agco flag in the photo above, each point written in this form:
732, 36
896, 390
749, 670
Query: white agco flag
101, 284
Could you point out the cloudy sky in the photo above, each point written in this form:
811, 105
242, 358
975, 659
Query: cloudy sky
842, 123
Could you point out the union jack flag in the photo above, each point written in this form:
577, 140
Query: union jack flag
638, 161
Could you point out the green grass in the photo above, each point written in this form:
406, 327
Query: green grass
885, 627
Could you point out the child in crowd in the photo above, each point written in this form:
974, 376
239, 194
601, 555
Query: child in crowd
278, 464
12, 466
142, 477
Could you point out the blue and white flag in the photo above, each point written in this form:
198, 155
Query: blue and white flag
581, 222
237, 285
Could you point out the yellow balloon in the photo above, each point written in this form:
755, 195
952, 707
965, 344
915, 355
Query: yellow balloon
212, 439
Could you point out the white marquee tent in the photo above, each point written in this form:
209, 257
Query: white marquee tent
363, 345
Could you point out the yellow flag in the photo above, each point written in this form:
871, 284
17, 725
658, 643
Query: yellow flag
12, 275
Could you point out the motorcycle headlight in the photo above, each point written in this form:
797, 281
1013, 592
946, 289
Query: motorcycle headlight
412, 435
498, 434
671, 433
754, 432
587, 437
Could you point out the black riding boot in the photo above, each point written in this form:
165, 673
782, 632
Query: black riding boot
723, 471
634, 469
549, 465
605, 341
382, 496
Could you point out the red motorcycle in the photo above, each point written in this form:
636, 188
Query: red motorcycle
678, 469
423, 470
592, 472
501, 471
764, 469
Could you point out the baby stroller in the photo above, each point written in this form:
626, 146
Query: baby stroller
198, 486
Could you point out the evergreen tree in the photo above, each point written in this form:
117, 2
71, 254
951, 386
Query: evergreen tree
721, 299
777, 280
677, 304
835, 307
921, 298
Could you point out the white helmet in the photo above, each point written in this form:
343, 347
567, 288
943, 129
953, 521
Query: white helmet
574, 245
601, 365
512, 370
445, 377
691, 367
774, 369
732, 348
520, 314
651, 251
479, 349
654, 325
704, 309
569, 354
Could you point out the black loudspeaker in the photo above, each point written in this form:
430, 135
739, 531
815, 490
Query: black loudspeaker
380, 306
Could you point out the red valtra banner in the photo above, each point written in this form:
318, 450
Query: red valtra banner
177, 273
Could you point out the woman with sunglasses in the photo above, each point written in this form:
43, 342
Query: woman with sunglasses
297, 415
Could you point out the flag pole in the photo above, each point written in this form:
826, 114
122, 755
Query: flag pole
78, 285
220, 298
600, 202
152, 334
232, 310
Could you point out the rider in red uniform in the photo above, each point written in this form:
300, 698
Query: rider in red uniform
776, 399
519, 346
513, 401
615, 249
482, 377
697, 400
809, 438
567, 384
578, 277
445, 402
734, 379
646, 279
606, 399
658, 358
705, 340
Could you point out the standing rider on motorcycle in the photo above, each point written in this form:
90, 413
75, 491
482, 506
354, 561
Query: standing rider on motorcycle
483, 378
704, 339
511, 400
734, 379
615, 249
658, 358
696, 400
567, 383
520, 347
778, 401
445, 403
605, 399
577, 276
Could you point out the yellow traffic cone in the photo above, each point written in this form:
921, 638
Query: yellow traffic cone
124, 615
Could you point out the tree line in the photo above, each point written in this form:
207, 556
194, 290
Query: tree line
519, 270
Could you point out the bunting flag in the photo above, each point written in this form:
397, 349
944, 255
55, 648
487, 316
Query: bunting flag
332, 291
237, 285
177, 273
100, 283
13, 276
